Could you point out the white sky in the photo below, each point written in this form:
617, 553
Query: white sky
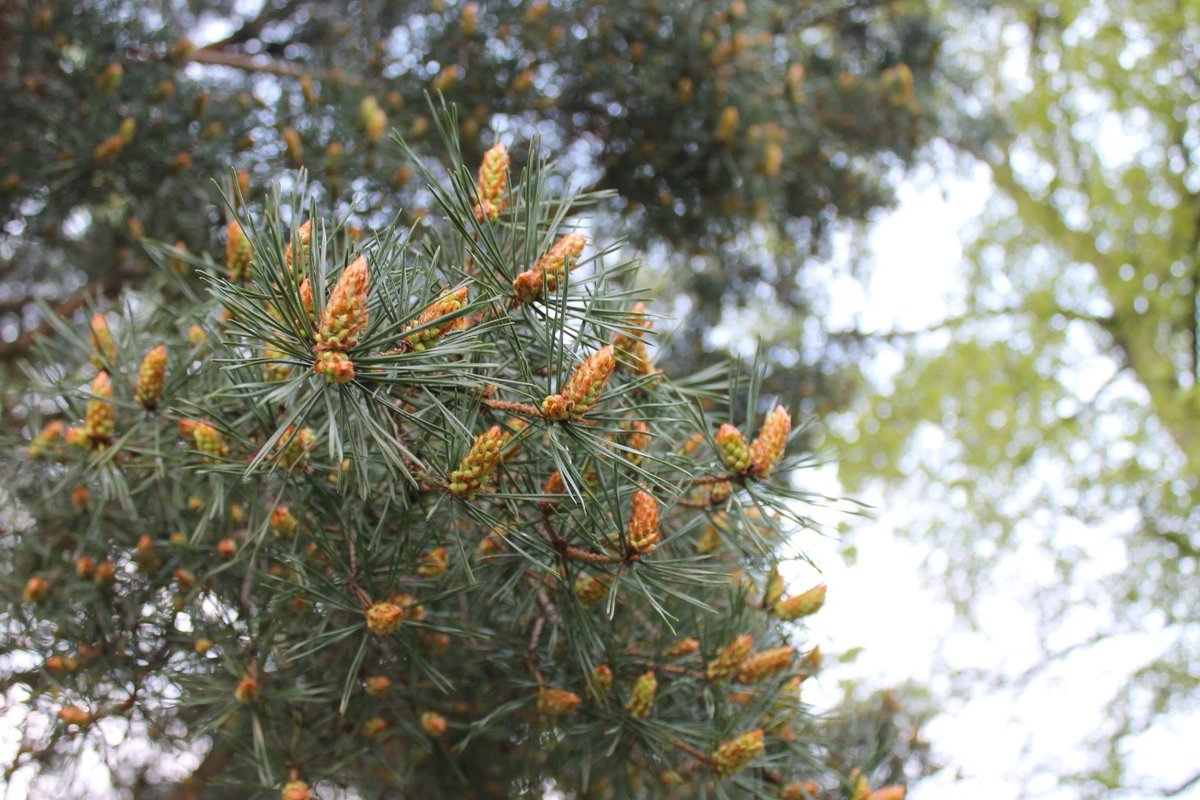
992, 744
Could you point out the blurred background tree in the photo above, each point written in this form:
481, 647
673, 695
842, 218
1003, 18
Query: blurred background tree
736, 135
1051, 423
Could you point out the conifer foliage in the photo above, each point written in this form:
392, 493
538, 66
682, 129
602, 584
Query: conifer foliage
721, 126
375, 511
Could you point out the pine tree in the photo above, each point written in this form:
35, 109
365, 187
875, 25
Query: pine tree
373, 510
735, 134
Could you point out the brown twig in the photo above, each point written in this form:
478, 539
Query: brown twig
579, 554
693, 752
269, 66
531, 650
511, 407
64, 309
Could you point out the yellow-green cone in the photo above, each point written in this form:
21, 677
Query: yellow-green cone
447, 304
764, 664
583, 389
209, 441
601, 678
150, 378
589, 590
730, 659
556, 701
238, 252
768, 447
492, 182
552, 267
478, 463
802, 605
100, 420
104, 348
641, 699
736, 753
735, 454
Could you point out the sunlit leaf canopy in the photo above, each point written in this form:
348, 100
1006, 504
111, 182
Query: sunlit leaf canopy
1050, 423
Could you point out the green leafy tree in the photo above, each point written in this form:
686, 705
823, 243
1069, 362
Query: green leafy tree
734, 134
411, 512
1054, 420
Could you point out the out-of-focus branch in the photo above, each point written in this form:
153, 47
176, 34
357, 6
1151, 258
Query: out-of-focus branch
65, 308
253, 28
213, 764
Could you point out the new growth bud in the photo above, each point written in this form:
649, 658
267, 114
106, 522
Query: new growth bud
238, 253
556, 702
373, 119
104, 348
600, 681
384, 617
769, 445
478, 463
492, 182
449, 303
345, 315
730, 659
764, 664
44, 441
100, 420
344, 318
583, 388
642, 531
589, 590
737, 753
735, 454
208, 441
283, 523
433, 723
295, 790
632, 354
299, 250
802, 605
550, 269
641, 699
150, 378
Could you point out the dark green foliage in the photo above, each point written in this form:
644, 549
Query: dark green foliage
828, 99
216, 625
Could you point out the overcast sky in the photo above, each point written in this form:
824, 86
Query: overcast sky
1000, 744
